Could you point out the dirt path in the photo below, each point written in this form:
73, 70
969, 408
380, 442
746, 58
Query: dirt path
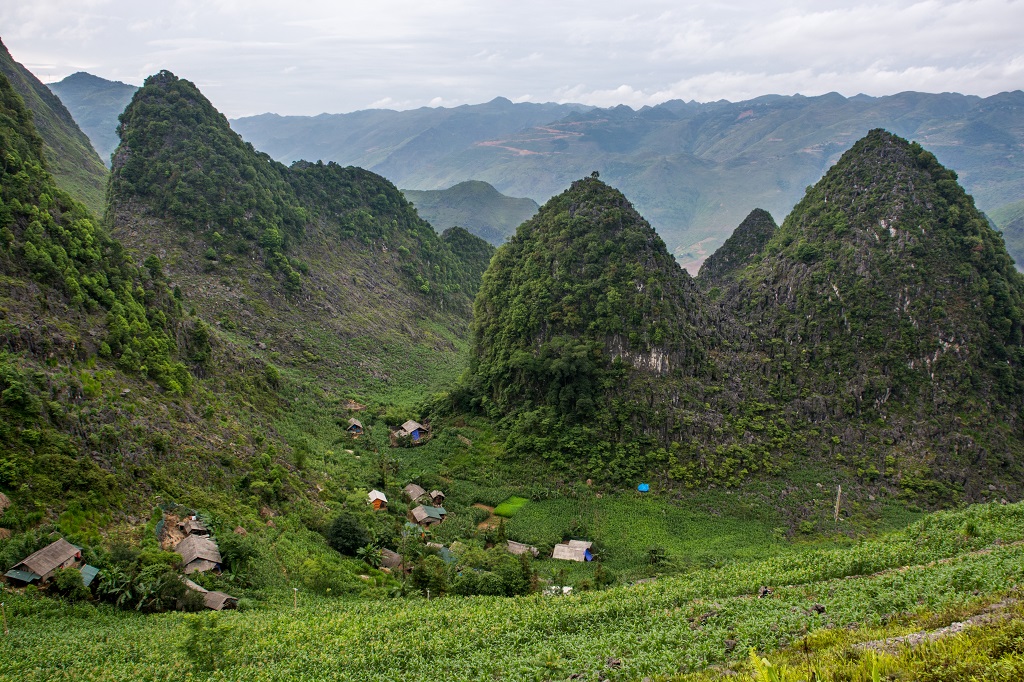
892, 645
491, 521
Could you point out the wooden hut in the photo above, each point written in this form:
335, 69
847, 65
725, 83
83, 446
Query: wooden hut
378, 500
414, 492
198, 553
355, 427
574, 550
437, 497
414, 431
428, 516
191, 525
518, 548
391, 560
216, 601
39, 567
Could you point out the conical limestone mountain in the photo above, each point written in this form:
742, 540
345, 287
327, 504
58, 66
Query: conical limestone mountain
895, 311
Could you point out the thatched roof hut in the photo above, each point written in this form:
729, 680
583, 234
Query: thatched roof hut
390, 559
518, 548
198, 553
39, 566
574, 550
355, 427
437, 497
414, 492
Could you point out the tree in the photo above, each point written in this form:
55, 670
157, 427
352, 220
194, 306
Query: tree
347, 534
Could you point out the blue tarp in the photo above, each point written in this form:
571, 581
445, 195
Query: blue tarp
643, 487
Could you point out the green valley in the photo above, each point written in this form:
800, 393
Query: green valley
388, 433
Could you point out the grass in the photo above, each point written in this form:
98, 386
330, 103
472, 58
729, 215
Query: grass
510, 507
924, 575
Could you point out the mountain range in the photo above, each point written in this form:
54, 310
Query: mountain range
693, 169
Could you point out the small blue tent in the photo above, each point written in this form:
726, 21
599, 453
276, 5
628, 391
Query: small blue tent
643, 487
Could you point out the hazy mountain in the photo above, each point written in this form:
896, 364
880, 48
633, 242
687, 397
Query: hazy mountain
694, 170
69, 156
474, 205
95, 103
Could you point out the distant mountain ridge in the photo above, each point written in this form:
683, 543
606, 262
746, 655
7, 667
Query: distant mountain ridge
474, 205
95, 103
693, 169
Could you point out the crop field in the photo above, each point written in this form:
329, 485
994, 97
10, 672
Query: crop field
944, 564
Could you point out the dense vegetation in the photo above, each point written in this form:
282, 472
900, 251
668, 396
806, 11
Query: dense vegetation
934, 572
578, 319
71, 295
76, 167
742, 247
884, 313
891, 309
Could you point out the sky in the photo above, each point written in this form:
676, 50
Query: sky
314, 56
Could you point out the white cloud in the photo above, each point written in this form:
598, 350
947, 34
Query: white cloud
309, 56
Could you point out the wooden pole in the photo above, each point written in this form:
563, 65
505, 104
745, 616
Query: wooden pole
839, 495
295, 597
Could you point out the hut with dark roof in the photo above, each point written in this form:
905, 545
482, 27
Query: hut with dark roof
428, 516
39, 567
198, 553
191, 525
414, 492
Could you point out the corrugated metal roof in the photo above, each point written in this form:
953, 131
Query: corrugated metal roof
23, 576
89, 574
414, 491
377, 495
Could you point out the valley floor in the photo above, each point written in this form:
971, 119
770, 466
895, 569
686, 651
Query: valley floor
936, 571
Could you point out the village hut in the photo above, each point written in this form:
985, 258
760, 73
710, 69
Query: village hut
574, 550
355, 427
412, 430
518, 548
389, 559
437, 497
428, 516
191, 525
378, 499
40, 566
414, 492
216, 601
198, 553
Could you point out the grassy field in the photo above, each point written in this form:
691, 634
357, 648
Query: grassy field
946, 565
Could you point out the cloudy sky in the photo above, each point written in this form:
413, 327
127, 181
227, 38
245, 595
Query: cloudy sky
313, 56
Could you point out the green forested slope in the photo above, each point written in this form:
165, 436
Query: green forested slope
742, 247
895, 311
75, 165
